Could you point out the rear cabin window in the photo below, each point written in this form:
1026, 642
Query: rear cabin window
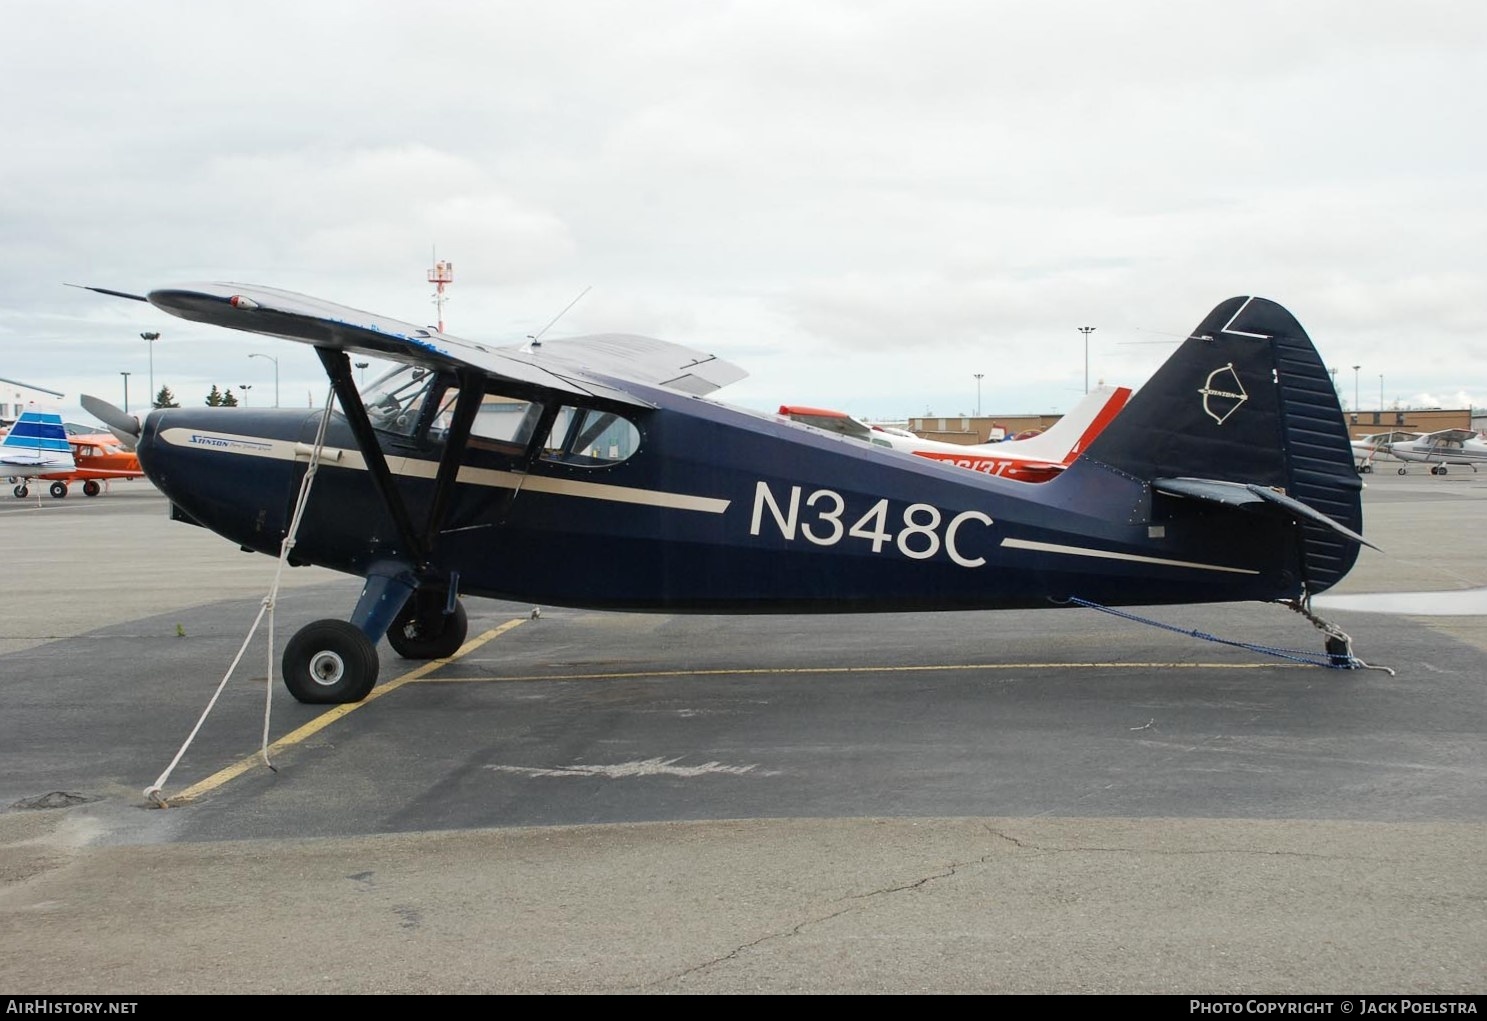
588, 437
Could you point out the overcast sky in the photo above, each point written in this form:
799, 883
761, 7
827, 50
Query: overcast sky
864, 204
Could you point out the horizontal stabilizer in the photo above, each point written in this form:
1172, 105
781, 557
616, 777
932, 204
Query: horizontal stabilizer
1247, 494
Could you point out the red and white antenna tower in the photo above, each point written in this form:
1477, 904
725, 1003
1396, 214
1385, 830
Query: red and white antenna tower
441, 274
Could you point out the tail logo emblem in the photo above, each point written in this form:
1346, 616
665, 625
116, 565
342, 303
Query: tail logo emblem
1219, 402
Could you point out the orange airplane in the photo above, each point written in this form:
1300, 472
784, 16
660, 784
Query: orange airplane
99, 458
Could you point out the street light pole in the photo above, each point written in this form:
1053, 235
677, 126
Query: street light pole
150, 338
978, 376
1355, 387
362, 366
1381, 392
1086, 330
245, 387
126, 391
276, 374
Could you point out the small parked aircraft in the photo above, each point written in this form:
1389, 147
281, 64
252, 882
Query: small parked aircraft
35, 445
1438, 449
99, 459
597, 472
1366, 448
1033, 459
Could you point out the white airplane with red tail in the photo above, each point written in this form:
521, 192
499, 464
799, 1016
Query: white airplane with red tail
1035, 459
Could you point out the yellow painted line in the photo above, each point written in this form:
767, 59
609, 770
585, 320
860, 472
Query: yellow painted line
792, 671
325, 719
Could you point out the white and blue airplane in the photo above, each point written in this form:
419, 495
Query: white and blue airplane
600, 472
35, 445
1439, 449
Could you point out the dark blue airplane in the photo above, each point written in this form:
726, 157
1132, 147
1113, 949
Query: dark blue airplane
596, 472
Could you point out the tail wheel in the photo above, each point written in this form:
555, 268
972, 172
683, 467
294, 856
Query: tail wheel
330, 662
91, 488
423, 632
59, 490
21, 492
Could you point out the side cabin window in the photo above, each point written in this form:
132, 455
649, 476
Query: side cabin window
590, 438
418, 405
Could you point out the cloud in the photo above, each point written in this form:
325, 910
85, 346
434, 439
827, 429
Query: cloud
877, 199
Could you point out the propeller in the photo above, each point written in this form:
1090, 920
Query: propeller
123, 425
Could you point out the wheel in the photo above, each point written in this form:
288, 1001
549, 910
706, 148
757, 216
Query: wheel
1366, 469
59, 490
1404, 471
424, 632
330, 662
92, 488
1438, 469
21, 492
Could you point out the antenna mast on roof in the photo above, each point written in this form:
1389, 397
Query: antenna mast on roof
441, 274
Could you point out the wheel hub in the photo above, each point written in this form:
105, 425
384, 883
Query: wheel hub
327, 667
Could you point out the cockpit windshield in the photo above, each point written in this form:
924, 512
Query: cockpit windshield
394, 401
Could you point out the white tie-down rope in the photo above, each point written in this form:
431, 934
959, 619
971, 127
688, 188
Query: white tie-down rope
267, 606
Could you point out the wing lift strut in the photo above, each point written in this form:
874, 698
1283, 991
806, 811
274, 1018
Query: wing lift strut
405, 574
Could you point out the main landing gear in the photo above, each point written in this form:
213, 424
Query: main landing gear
425, 632
57, 489
332, 662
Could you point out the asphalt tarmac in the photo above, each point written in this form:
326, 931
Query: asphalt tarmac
1049, 801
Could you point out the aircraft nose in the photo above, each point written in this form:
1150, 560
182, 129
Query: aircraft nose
232, 472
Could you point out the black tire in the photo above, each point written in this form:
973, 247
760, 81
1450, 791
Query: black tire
330, 662
21, 492
428, 635
1404, 471
91, 487
59, 490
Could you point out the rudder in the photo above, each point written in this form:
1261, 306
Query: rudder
1246, 400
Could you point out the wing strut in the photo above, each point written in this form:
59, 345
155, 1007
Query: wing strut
338, 368
467, 406
472, 393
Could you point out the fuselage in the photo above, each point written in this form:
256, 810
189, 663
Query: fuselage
98, 457
1446, 452
706, 508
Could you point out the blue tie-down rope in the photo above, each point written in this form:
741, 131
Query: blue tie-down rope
1339, 645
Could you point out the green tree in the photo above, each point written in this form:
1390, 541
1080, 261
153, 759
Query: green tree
229, 400
214, 398
166, 399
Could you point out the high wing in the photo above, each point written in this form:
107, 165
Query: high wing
566, 365
1446, 436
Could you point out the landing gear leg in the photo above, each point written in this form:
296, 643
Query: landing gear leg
335, 661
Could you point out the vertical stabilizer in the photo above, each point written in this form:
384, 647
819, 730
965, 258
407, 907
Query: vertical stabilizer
37, 442
1247, 400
